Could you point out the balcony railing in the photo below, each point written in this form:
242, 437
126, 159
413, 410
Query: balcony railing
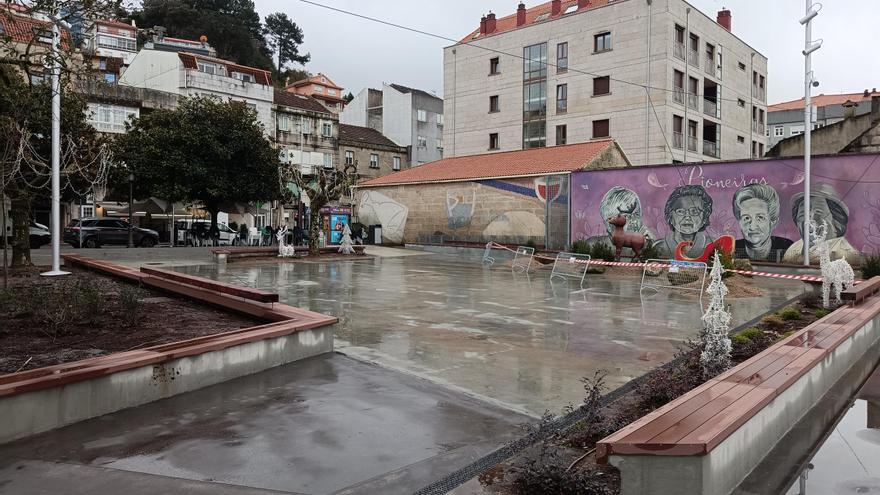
694, 58
692, 143
678, 95
710, 108
678, 50
677, 140
757, 127
693, 101
759, 93
710, 148
710, 66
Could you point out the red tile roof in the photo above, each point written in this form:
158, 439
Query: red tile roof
316, 79
301, 102
190, 61
508, 23
355, 135
523, 163
824, 101
23, 29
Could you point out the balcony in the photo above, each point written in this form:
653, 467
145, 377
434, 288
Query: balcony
677, 140
710, 108
693, 101
678, 50
692, 143
758, 127
711, 148
694, 58
759, 93
710, 66
678, 95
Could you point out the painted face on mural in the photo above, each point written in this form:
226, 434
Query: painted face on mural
754, 220
687, 215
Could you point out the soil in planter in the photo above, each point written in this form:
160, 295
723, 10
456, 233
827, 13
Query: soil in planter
46, 321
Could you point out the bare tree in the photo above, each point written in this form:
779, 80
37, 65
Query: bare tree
321, 187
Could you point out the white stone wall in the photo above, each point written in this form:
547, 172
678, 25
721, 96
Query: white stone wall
468, 84
355, 112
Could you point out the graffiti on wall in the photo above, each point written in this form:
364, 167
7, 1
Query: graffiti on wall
760, 203
460, 205
378, 209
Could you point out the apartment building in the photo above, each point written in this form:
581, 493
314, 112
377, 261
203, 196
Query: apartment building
322, 89
183, 67
786, 119
663, 79
370, 151
410, 117
306, 132
112, 45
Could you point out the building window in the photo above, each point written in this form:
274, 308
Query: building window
243, 77
602, 86
283, 123
740, 139
328, 160
102, 64
677, 131
422, 142
440, 144
374, 160
741, 102
494, 66
535, 96
601, 42
439, 120
331, 92
327, 129
678, 46
601, 128
678, 86
110, 118
117, 43
110, 78
561, 135
561, 98
396, 165
349, 157
741, 66
493, 141
422, 115
562, 57
207, 68
305, 126
317, 89
493, 104
542, 17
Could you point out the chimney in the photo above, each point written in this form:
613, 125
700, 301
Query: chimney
582, 4
491, 23
556, 7
849, 109
724, 19
483, 25
520, 14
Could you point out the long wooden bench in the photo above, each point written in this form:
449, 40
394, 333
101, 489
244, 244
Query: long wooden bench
233, 253
708, 440
234, 290
858, 293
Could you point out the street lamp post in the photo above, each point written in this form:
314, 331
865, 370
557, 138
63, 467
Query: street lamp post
56, 153
130, 210
809, 82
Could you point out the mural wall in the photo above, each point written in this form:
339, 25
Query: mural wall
760, 203
512, 210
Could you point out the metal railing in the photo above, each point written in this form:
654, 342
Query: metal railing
710, 107
758, 93
711, 148
678, 50
758, 127
692, 143
677, 140
694, 58
693, 101
710, 66
678, 95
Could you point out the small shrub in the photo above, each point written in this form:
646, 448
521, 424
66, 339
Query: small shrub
531, 243
743, 264
89, 300
789, 314
726, 262
822, 312
580, 247
129, 299
649, 252
871, 266
602, 251
57, 308
750, 334
772, 322
811, 299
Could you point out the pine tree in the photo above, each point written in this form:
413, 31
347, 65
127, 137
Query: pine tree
716, 321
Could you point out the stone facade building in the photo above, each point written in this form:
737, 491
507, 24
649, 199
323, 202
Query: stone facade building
374, 154
306, 132
570, 71
786, 119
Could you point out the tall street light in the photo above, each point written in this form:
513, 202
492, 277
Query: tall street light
809, 82
56, 152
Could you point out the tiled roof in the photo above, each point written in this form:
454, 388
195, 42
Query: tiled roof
23, 29
316, 79
115, 23
302, 102
824, 101
364, 135
190, 61
523, 163
508, 23
404, 89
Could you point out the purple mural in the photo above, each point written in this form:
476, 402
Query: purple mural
760, 203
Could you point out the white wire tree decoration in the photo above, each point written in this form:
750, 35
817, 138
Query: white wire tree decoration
838, 274
345, 243
715, 357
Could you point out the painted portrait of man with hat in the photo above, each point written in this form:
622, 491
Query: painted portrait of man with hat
827, 207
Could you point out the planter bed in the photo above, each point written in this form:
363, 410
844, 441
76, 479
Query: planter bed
231, 254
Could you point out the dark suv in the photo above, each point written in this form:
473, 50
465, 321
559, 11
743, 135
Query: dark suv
95, 232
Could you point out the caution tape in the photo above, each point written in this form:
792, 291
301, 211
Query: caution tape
803, 278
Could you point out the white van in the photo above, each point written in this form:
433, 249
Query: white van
194, 232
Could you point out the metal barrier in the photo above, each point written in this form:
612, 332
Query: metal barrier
571, 265
522, 259
673, 274
488, 259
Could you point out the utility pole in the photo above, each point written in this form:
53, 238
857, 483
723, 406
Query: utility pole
809, 82
130, 210
56, 149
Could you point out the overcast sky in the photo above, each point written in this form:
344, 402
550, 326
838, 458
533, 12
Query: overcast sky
358, 53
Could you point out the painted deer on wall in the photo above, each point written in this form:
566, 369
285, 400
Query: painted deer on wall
836, 274
621, 239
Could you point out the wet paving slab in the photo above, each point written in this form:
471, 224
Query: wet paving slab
515, 340
329, 424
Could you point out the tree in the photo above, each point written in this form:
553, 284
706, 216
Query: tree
715, 357
206, 151
284, 37
348, 98
322, 187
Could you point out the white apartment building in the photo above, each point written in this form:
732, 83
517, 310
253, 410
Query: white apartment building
571, 71
186, 73
113, 45
410, 117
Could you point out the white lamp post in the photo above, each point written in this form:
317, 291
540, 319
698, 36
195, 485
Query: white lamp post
809, 82
56, 153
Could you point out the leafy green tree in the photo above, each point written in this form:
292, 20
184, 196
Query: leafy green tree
283, 78
321, 187
206, 151
284, 37
348, 98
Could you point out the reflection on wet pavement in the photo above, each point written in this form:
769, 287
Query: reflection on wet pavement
513, 339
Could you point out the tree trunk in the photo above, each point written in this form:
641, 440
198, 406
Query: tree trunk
21, 230
314, 230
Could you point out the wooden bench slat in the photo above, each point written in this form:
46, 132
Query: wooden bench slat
729, 419
788, 375
698, 418
758, 363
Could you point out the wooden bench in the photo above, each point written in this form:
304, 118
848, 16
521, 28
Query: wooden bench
858, 293
233, 290
271, 251
708, 440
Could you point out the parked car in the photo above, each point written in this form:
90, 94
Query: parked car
196, 232
39, 234
96, 232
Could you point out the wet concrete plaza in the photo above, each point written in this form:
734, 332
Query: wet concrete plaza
515, 340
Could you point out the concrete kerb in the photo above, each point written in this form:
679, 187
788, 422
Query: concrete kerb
33, 402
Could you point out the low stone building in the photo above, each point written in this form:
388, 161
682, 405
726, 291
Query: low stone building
855, 134
374, 154
513, 197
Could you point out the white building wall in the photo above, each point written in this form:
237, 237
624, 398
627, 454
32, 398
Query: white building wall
153, 69
355, 112
398, 116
